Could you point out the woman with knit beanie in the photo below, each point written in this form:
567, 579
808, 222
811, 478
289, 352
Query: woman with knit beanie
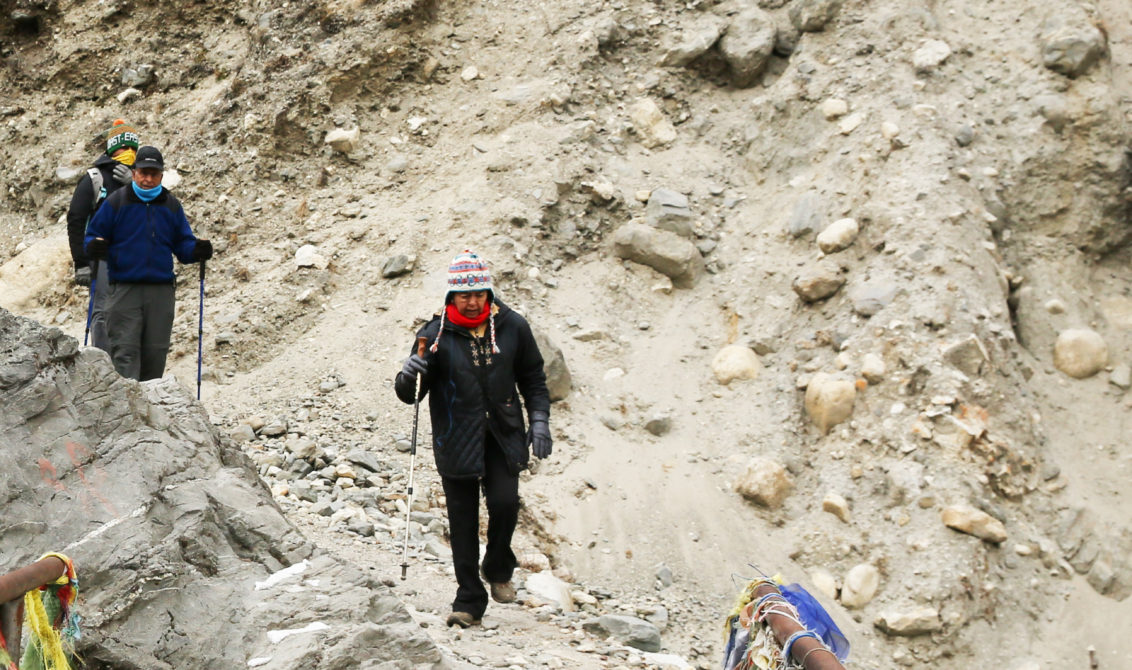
481, 358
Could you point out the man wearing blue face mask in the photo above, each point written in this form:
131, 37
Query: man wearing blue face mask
137, 232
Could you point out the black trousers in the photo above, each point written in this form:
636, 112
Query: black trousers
501, 495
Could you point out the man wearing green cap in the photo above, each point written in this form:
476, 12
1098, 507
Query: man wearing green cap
111, 171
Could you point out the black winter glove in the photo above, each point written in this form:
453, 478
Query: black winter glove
82, 276
202, 251
123, 174
539, 436
98, 248
414, 365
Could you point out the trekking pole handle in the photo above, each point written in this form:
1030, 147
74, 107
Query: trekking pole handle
421, 342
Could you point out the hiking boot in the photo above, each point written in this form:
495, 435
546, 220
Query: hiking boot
462, 619
502, 592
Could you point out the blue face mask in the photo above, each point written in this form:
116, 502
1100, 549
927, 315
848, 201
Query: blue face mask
146, 194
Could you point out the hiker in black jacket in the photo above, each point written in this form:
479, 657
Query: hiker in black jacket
111, 171
482, 357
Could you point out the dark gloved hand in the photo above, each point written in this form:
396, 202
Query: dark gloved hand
539, 436
123, 174
98, 248
202, 251
82, 276
414, 365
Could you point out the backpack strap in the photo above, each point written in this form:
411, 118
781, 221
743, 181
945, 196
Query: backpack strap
96, 183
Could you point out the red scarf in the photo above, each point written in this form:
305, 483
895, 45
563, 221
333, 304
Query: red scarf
454, 315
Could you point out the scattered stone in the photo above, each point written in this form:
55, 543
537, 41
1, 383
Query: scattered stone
694, 40
628, 630
810, 16
861, 584
558, 378
873, 368
664, 576
871, 297
243, 433
307, 256
659, 425
747, 45
825, 583
968, 355
668, 210
68, 174
534, 562
652, 127
965, 135
274, 428
138, 76
663, 251
735, 361
398, 265
967, 519
834, 108
929, 56
829, 400
548, 587
1071, 44
1121, 376
818, 281
128, 95
919, 621
303, 447
1080, 352
850, 123
838, 235
765, 483
805, 219
836, 505
469, 73
1055, 306
343, 140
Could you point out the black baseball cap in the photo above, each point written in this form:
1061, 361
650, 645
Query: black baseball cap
149, 157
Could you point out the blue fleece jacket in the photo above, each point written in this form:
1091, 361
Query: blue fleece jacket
143, 236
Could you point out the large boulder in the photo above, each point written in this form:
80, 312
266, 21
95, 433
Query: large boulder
661, 250
184, 558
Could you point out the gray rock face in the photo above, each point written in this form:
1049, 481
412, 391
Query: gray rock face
665, 252
811, 16
668, 210
175, 538
634, 632
747, 45
1070, 43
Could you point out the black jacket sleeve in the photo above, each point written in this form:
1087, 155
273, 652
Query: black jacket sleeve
80, 211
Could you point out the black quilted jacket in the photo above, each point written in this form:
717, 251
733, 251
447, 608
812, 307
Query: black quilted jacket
472, 391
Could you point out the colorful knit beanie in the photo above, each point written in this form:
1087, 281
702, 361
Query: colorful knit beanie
121, 136
467, 273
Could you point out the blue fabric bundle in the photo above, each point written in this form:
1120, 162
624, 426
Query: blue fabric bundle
815, 619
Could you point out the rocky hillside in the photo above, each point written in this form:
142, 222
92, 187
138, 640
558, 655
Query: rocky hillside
843, 287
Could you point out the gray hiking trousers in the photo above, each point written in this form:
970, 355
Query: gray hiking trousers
139, 322
98, 336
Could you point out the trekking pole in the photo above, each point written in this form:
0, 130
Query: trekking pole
200, 329
412, 460
90, 308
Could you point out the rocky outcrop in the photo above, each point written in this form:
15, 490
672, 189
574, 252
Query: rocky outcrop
183, 557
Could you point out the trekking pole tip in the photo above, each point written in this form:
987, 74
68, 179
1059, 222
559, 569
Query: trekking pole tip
404, 571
